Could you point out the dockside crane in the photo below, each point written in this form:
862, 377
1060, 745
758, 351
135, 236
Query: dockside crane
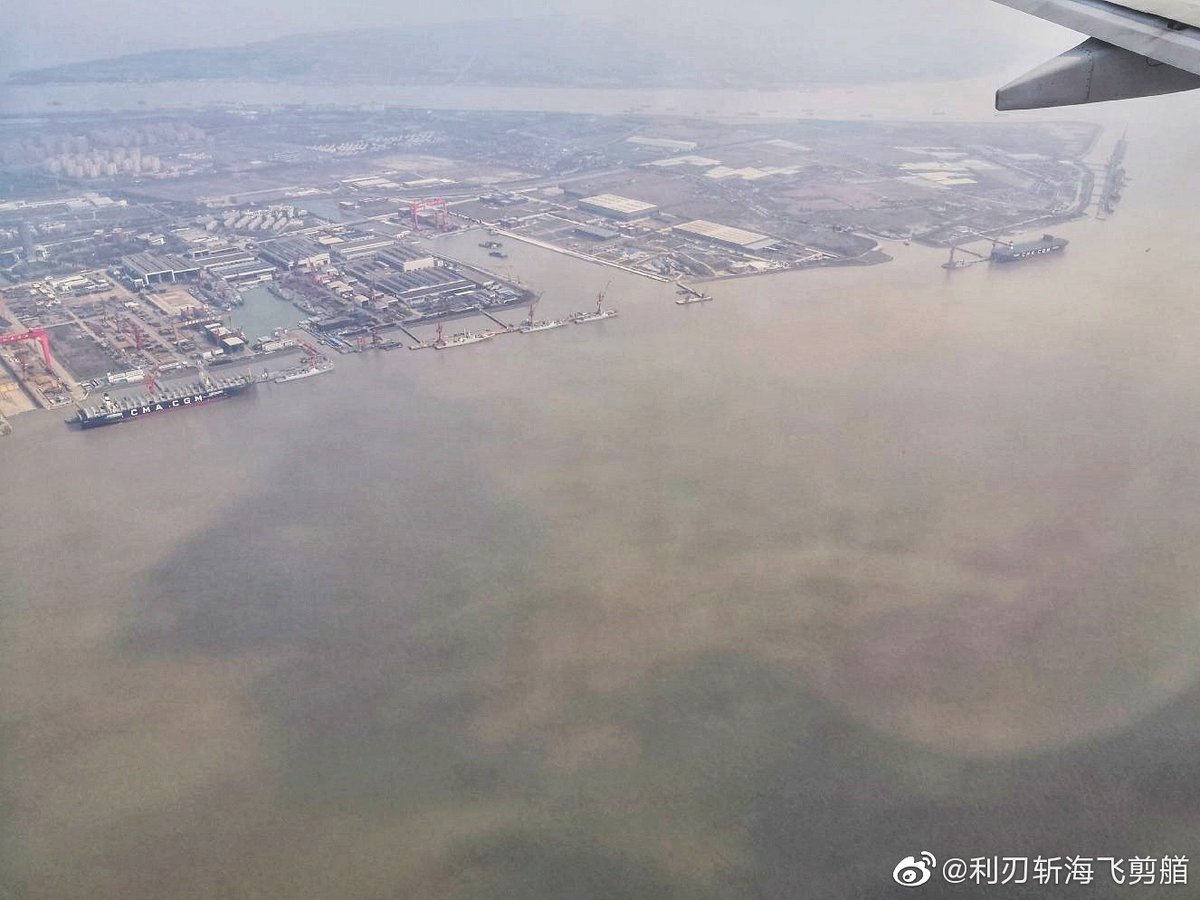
33, 334
532, 306
312, 355
953, 263
600, 297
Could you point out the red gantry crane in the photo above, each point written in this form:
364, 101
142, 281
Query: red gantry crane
312, 355
435, 204
33, 334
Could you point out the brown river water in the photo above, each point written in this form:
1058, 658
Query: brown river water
747, 599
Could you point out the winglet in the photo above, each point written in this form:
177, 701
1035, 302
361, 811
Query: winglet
1093, 72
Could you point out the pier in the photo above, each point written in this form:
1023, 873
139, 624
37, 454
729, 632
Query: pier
410, 334
503, 325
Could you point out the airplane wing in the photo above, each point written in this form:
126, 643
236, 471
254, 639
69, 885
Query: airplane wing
1136, 49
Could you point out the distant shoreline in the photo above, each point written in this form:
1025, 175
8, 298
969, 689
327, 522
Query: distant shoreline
963, 100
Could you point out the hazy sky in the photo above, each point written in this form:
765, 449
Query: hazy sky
45, 32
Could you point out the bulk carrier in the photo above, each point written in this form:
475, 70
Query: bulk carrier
113, 412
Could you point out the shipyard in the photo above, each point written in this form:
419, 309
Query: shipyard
149, 270
621, 451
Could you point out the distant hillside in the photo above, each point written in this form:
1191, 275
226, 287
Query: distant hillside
562, 52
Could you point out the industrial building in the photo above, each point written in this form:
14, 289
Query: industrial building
408, 259
364, 246
225, 258
242, 272
409, 286
725, 235
616, 207
288, 253
145, 269
211, 250
77, 284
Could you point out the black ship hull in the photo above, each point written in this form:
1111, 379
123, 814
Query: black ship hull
113, 414
1014, 252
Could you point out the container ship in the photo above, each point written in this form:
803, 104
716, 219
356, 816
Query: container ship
113, 412
1048, 243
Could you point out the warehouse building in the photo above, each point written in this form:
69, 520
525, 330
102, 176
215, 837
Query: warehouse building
221, 257
145, 269
362, 247
242, 272
408, 259
289, 253
616, 207
725, 235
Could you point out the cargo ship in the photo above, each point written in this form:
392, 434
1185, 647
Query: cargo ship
113, 412
1011, 252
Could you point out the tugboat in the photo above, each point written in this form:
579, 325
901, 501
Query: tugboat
600, 312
